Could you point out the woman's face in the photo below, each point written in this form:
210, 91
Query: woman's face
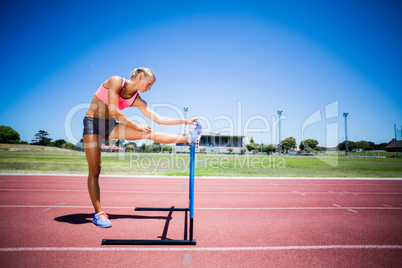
145, 83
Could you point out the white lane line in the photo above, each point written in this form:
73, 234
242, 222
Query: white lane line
49, 208
275, 248
296, 192
249, 208
348, 209
352, 210
221, 193
133, 182
72, 190
112, 182
204, 178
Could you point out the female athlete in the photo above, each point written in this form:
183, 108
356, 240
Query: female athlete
100, 122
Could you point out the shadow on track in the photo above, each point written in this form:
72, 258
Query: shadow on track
82, 218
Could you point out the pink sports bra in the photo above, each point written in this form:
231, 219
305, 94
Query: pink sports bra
102, 94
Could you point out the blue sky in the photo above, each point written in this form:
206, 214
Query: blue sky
232, 63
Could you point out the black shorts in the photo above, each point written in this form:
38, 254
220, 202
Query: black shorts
99, 126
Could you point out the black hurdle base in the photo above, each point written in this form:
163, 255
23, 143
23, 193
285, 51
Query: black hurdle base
148, 242
162, 242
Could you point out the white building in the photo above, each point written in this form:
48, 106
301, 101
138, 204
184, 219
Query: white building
214, 143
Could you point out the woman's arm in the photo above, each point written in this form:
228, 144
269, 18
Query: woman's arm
162, 120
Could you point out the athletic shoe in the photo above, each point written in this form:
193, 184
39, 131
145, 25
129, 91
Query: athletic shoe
101, 219
194, 135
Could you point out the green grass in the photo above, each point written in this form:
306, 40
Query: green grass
38, 160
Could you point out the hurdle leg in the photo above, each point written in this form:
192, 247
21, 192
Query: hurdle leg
191, 188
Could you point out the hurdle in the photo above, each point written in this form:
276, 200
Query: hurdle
190, 209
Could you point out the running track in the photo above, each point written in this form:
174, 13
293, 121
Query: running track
46, 222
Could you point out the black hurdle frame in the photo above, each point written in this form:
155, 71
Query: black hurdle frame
191, 240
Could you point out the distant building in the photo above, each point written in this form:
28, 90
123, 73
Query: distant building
213, 143
394, 146
104, 148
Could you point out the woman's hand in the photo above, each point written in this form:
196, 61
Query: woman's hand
191, 121
147, 129
143, 128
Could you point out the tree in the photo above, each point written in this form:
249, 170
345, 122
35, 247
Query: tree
129, 148
321, 148
41, 138
289, 144
69, 145
156, 147
342, 146
9, 135
380, 146
131, 143
120, 143
168, 148
365, 145
143, 147
149, 148
59, 143
308, 144
252, 146
269, 149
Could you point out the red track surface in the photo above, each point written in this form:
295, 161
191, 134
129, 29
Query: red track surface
46, 222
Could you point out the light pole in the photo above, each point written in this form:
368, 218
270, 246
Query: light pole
185, 110
346, 133
279, 131
261, 141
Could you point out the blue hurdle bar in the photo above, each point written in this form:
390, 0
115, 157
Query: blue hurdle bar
190, 241
191, 188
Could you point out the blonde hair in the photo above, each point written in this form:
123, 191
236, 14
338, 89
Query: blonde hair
142, 70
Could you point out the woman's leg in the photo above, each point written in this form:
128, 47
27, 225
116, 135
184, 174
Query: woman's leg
92, 145
124, 132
